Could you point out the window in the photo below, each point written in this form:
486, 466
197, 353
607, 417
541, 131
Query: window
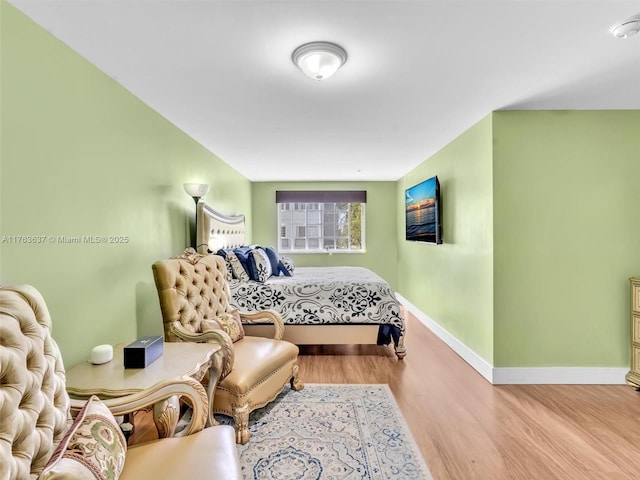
313, 221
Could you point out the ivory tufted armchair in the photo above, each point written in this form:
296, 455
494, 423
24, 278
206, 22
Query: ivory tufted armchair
194, 300
40, 439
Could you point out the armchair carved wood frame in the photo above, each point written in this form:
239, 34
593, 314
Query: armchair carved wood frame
192, 288
37, 412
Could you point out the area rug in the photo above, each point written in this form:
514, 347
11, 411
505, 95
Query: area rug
331, 432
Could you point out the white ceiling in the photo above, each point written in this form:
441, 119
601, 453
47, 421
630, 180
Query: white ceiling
419, 73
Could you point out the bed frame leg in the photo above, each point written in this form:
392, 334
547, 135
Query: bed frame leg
401, 350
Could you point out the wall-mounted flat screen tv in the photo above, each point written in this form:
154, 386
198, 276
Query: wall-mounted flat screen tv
422, 211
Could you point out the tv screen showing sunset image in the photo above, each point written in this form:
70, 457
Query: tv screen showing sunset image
422, 212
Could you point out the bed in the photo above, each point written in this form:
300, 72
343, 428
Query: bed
319, 305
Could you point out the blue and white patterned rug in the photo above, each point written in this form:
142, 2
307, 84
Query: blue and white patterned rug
331, 432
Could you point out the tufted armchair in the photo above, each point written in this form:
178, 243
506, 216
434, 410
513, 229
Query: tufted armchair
40, 439
193, 292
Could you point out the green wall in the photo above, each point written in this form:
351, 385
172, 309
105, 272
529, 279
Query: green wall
81, 156
567, 236
380, 236
541, 235
452, 283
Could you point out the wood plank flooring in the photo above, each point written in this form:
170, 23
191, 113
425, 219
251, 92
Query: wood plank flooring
467, 428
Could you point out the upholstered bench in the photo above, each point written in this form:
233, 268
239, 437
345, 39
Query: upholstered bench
40, 439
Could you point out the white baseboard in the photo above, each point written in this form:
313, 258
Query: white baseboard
468, 355
520, 375
560, 375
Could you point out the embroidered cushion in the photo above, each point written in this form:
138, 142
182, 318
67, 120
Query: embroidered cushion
94, 447
286, 266
228, 322
237, 269
227, 263
259, 265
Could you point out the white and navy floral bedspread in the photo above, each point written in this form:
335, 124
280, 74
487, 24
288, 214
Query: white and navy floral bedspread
325, 295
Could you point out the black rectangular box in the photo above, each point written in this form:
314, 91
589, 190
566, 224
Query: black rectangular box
143, 352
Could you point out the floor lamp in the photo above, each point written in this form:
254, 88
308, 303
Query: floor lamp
196, 191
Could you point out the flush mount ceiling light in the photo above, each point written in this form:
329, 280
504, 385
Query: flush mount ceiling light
319, 60
626, 28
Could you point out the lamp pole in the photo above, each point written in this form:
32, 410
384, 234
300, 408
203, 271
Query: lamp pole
195, 233
196, 191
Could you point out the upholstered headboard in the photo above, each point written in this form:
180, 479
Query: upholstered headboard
224, 231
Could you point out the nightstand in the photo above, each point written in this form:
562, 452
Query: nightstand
110, 381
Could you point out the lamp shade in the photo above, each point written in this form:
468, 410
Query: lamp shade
216, 242
319, 60
196, 189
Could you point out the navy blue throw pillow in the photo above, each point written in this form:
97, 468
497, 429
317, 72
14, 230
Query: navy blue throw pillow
243, 255
274, 258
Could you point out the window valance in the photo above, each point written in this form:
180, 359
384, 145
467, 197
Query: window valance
321, 196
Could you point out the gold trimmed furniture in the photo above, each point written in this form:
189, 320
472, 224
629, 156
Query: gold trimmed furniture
112, 380
310, 320
194, 300
633, 377
40, 439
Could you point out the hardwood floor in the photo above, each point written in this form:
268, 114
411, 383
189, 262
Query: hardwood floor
467, 428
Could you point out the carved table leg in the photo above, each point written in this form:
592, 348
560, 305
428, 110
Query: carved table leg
165, 416
215, 368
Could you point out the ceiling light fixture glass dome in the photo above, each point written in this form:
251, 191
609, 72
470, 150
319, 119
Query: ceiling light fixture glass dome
319, 60
627, 28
